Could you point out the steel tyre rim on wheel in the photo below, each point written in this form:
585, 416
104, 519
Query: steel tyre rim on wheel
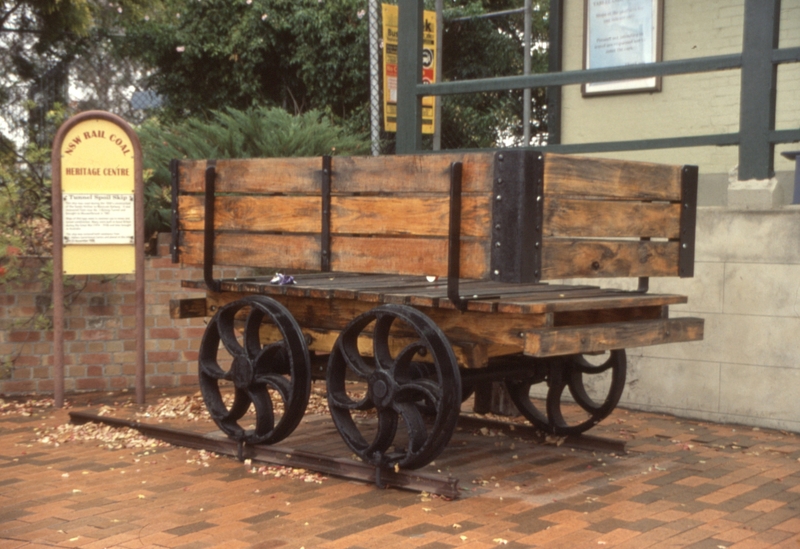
399, 387
283, 366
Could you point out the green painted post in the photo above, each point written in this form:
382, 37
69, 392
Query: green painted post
409, 74
555, 31
759, 75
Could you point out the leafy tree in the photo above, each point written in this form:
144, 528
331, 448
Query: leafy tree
296, 54
312, 54
39, 42
25, 197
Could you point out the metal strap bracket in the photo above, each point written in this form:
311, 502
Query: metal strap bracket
688, 221
208, 229
173, 245
517, 213
325, 235
454, 238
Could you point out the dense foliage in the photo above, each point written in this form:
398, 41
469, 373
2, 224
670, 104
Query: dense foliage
296, 54
312, 54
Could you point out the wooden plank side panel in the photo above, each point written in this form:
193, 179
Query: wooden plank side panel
605, 337
566, 217
408, 215
565, 302
301, 252
577, 258
191, 175
293, 214
255, 175
601, 177
408, 256
411, 173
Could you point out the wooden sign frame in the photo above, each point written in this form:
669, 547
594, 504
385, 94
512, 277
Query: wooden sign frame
85, 118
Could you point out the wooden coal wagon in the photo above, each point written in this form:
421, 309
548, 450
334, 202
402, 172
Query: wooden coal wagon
422, 277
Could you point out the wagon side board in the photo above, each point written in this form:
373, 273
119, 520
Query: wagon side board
524, 217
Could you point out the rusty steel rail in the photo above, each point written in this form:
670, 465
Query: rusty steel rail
289, 457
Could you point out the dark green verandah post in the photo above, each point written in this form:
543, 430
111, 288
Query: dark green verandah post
554, 64
759, 76
409, 74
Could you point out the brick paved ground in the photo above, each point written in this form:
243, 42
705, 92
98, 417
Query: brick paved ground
681, 484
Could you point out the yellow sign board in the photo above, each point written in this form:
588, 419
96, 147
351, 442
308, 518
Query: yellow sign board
97, 185
429, 38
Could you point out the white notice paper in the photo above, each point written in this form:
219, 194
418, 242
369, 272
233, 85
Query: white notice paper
98, 218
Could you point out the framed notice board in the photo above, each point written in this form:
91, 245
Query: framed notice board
98, 164
618, 33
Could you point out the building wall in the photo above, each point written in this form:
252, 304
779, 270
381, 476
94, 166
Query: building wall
99, 331
747, 288
696, 104
747, 276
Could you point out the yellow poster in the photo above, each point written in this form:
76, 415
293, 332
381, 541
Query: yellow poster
429, 38
97, 187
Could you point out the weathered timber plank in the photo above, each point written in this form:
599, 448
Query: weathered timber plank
191, 175
322, 341
254, 250
411, 173
375, 293
187, 308
412, 256
349, 215
565, 217
255, 175
606, 316
604, 337
487, 296
294, 214
408, 215
602, 177
608, 299
576, 258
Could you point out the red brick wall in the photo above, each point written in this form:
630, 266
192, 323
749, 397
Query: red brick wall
99, 334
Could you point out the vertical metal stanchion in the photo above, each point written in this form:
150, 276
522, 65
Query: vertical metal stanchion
374, 79
437, 115
526, 94
58, 283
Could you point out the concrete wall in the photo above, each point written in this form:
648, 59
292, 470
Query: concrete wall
705, 103
747, 287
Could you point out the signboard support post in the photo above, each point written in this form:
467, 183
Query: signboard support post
98, 219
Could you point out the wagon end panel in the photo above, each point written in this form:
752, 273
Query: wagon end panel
611, 218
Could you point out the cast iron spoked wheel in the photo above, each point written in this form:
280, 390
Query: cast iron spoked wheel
412, 384
605, 377
274, 376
